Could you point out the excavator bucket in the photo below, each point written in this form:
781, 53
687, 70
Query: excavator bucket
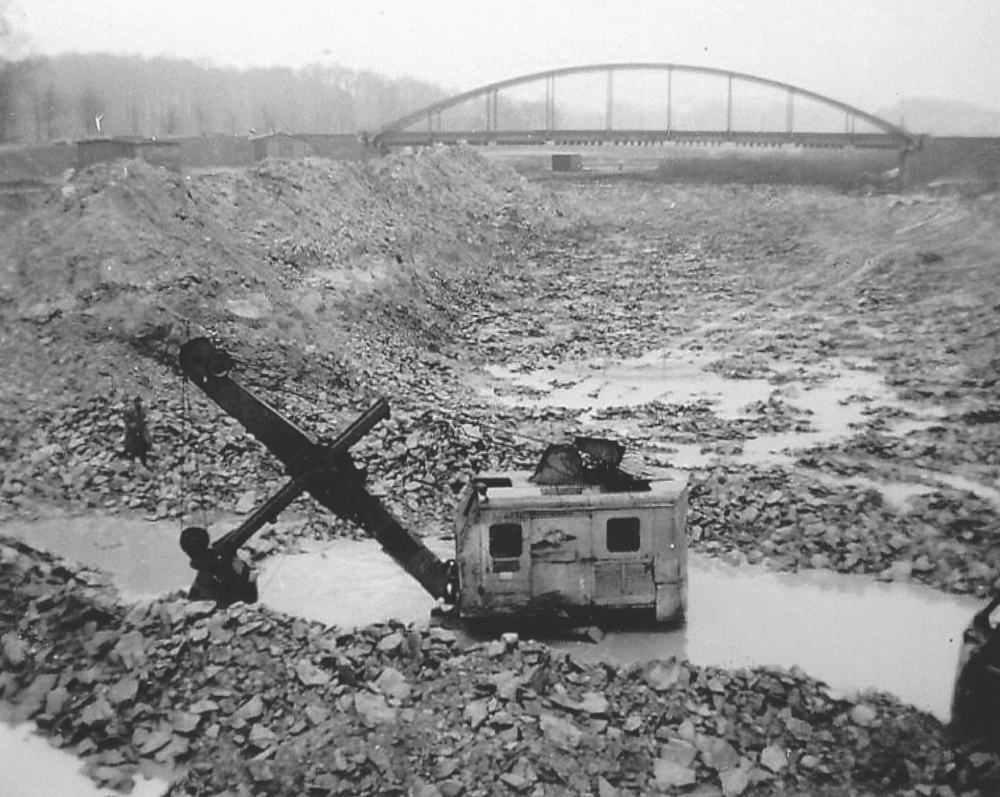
587, 460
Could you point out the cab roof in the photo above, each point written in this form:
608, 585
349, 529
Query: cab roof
514, 490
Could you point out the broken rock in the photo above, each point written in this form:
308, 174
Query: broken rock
669, 774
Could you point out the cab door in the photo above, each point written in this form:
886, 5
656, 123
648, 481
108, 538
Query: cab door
506, 564
623, 559
560, 554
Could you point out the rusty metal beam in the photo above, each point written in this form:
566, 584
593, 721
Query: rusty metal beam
325, 471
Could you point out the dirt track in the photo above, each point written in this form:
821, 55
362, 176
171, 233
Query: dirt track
333, 284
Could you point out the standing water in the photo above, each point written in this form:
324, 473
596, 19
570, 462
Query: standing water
143, 559
850, 631
834, 396
29, 767
346, 583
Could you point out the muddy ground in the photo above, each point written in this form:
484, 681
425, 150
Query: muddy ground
411, 277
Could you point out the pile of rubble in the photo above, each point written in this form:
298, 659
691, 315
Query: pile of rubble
335, 283
246, 701
793, 522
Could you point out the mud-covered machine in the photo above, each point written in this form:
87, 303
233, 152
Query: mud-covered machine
579, 536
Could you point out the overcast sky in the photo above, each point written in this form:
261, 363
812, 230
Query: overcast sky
868, 53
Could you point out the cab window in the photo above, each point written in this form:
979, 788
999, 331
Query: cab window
623, 534
506, 540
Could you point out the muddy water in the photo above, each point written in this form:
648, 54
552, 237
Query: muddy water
347, 583
898, 494
30, 767
835, 396
681, 377
142, 558
849, 631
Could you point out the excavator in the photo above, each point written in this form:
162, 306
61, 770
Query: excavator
578, 536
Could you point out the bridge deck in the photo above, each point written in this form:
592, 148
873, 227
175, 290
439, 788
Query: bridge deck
596, 137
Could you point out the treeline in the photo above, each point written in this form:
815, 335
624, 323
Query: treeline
74, 96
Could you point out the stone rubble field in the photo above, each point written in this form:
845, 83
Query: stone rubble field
333, 284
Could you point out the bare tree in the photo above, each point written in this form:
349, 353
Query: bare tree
65, 94
8, 81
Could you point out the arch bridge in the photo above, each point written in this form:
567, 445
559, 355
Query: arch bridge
486, 125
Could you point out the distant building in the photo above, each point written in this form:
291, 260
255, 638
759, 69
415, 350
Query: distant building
567, 162
152, 151
280, 145
339, 146
335, 146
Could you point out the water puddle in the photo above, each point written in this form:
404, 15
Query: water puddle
850, 631
920, 481
961, 483
347, 583
30, 767
143, 558
835, 396
669, 377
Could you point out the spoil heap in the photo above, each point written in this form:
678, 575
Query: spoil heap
245, 701
337, 281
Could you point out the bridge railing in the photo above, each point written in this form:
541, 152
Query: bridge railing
416, 138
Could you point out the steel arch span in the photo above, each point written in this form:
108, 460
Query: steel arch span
890, 134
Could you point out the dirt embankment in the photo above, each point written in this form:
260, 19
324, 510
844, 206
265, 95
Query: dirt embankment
336, 282
278, 253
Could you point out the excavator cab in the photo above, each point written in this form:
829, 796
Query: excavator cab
579, 535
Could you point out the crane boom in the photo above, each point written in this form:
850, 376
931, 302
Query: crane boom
324, 470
